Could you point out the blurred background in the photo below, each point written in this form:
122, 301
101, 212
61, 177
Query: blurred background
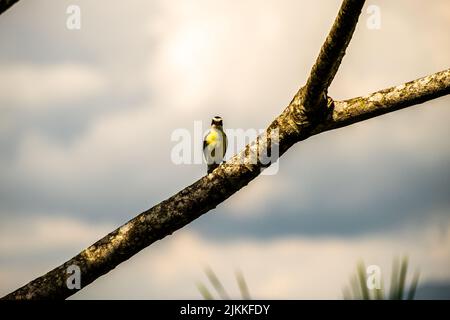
86, 118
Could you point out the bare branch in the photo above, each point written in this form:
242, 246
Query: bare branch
211, 190
205, 194
388, 100
6, 4
331, 54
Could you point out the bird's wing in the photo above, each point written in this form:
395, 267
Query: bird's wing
208, 152
207, 139
204, 143
225, 143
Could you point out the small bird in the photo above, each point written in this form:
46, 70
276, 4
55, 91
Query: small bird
215, 144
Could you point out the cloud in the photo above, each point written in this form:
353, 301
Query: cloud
134, 73
37, 87
32, 245
218, 57
292, 267
207, 58
251, 201
119, 147
26, 236
287, 267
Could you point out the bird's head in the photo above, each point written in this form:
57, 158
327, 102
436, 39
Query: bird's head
217, 121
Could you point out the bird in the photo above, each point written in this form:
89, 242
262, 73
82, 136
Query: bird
215, 144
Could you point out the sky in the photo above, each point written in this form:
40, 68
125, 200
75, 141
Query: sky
87, 115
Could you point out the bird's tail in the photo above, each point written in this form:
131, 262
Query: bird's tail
211, 167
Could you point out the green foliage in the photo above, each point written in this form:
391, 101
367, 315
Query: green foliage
358, 289
217, 285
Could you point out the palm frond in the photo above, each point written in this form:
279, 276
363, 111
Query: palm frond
358, 288
217, 285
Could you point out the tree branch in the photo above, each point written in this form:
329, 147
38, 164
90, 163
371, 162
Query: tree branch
208, 192
211, 190
331, 54
6, 4
389, 100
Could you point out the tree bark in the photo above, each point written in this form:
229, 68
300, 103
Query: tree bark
331, 54
6, 4
388, 100
293, 125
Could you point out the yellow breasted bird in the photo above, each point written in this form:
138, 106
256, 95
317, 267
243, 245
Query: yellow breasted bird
215, 144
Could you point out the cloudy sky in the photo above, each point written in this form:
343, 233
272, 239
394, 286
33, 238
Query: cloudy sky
86, 118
